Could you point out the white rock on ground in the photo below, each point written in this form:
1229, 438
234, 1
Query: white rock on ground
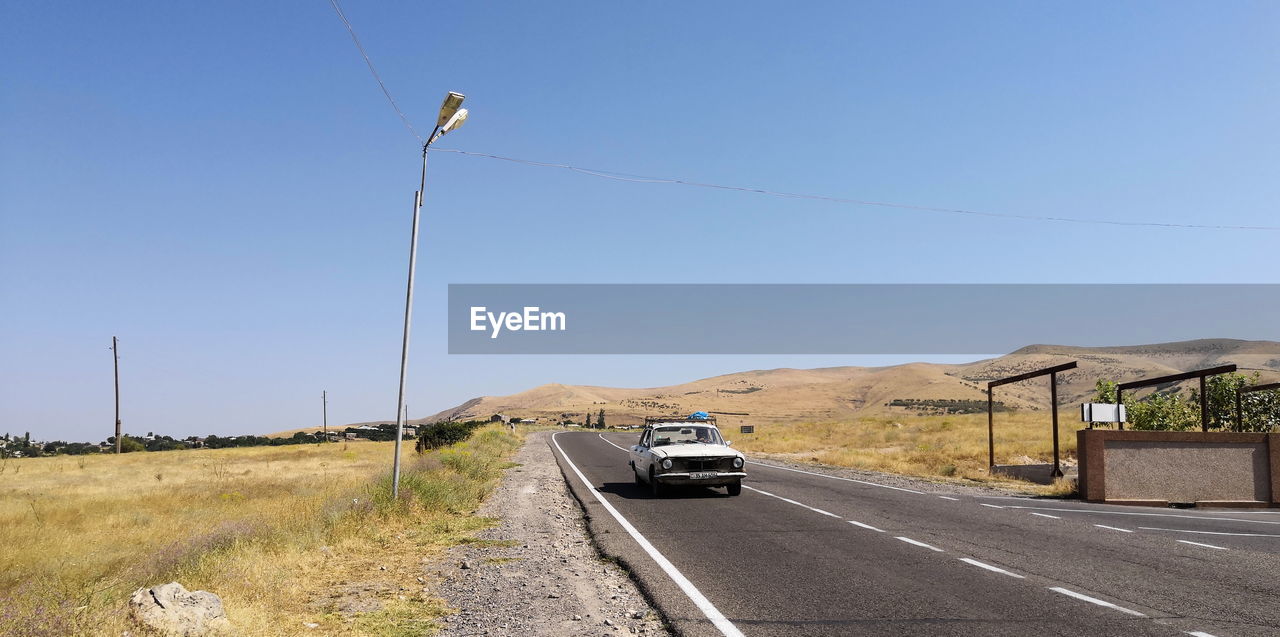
537, 572
171, 609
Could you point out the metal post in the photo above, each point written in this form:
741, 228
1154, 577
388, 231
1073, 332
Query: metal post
991, 432
408, 317
324, 398
115, 356
1119, 403
1240, 408
1204, 407
1053, 397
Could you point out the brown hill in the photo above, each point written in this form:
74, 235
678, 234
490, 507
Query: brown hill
842, 393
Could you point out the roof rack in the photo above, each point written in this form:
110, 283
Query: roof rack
650, 421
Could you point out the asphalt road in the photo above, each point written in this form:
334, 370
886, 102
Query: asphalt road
810, 554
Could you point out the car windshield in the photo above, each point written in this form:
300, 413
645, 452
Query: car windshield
686, 434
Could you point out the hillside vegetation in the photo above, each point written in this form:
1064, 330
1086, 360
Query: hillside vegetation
276, 532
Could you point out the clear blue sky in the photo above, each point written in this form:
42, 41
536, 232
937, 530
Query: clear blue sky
223, 186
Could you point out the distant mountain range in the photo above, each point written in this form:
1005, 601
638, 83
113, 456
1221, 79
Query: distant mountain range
843, 393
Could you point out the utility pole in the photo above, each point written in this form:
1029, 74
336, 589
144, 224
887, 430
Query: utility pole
324, 398
115, 356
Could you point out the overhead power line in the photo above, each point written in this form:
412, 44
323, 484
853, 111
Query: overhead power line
617, 176
861, 202
354, 38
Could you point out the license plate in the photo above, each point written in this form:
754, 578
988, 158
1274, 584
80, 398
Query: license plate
702, 475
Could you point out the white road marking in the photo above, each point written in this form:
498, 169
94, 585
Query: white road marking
989, 567
919, 543
1113, 528
1046, 515
990, 505
708, 609
1208, 546
1197, 633
1094, 600
611, 442
823, 475
947, 497
1157, 515
815, 510
866, 526
1156, 528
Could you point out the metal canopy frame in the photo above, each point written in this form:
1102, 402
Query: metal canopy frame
1052, 373
1199, 373
1240, 402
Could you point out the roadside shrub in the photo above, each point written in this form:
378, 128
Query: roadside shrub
443, 434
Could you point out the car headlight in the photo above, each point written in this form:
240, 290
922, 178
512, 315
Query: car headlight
666, 463
737, 462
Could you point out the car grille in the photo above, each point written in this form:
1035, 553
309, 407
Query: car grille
703, 464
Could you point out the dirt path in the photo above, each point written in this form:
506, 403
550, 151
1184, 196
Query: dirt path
537, 572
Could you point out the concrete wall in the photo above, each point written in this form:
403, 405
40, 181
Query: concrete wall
1160, 467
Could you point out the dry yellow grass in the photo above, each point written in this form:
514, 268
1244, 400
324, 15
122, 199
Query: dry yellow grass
271, 530
953, 447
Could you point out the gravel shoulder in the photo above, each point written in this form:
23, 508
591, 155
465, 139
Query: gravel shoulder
537, 572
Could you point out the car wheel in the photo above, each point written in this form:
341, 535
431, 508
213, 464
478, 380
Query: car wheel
735, 488
655, 487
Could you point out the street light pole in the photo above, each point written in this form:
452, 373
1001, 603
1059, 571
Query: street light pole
450, 118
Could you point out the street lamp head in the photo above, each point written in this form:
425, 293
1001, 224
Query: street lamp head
455, 122
449, 108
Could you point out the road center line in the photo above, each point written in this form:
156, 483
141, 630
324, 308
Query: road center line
1046, 515
1094, 600
1208, 546
814, 509
708, 609
1156, 528
990, 505
919, 543
1197, 633
866, 526
1113, 528
947, 497
994, 569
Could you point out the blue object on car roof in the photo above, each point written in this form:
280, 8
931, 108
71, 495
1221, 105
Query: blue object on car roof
699, 415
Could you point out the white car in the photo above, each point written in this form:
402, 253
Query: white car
686, 453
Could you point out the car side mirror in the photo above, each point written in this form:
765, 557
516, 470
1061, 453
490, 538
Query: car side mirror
728, 443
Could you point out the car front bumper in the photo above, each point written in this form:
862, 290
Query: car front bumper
718, 479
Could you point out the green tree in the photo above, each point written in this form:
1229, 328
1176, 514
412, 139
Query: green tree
130, 444
600, 419
588, 425
1169, 412
1104, 391
1261, 410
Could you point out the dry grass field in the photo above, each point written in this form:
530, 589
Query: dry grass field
943, 447
282, 534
